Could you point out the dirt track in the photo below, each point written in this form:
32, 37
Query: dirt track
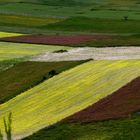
109, 53
120, 104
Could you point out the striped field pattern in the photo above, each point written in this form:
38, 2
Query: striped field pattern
17, 50
67, 93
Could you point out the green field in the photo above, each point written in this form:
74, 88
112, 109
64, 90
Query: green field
26, 75
83, 24
12, 20
39, 101
17, 50
4, 65
74, 24
104, 16
67, 93
7, 34
67, 8
127, 129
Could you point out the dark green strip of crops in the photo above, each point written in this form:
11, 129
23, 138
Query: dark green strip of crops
127, 129
84, 24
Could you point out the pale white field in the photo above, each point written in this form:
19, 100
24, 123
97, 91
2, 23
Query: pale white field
109, 53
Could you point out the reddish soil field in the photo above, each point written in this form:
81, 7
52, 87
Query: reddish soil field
56, 39
120, 104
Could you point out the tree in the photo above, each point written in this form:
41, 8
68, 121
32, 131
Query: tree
52, 73
125, 18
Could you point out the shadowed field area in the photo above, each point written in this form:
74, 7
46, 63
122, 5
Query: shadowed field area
26, 75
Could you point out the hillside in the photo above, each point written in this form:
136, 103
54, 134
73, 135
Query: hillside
67, 93
123, 103
127, 129
19, 50
26, 75
69, 67
72, 2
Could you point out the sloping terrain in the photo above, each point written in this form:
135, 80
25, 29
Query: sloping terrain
126, 129
122, 103
104, 16
83, 40
6, 34
4, 65
56, 39
107, 53
73, 2
26, 21
26, 75
96, 25
18, 50
67, 93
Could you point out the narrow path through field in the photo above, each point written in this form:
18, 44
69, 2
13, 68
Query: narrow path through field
109, 53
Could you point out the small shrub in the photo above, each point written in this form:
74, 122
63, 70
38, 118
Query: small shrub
52, 73
8, 126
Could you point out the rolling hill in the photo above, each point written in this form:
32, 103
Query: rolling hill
26, 75
19, 50
124, 129
67, 93
72, 2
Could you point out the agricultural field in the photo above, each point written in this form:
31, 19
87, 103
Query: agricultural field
107, 53
12, 20
77, 40
34, 15
109, 130
120, 104
70, 69
84, 24
6, 34
57, 8
25, 75
6, 64
18, 50
38, 102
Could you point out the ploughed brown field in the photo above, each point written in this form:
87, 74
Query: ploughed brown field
120, 104
56, 39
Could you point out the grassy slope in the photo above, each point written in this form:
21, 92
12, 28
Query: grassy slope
100, 9
4, 65
93, 11
127, 129
27, 75
18, 50
26, 21
96, 25
75, 24
78, 88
